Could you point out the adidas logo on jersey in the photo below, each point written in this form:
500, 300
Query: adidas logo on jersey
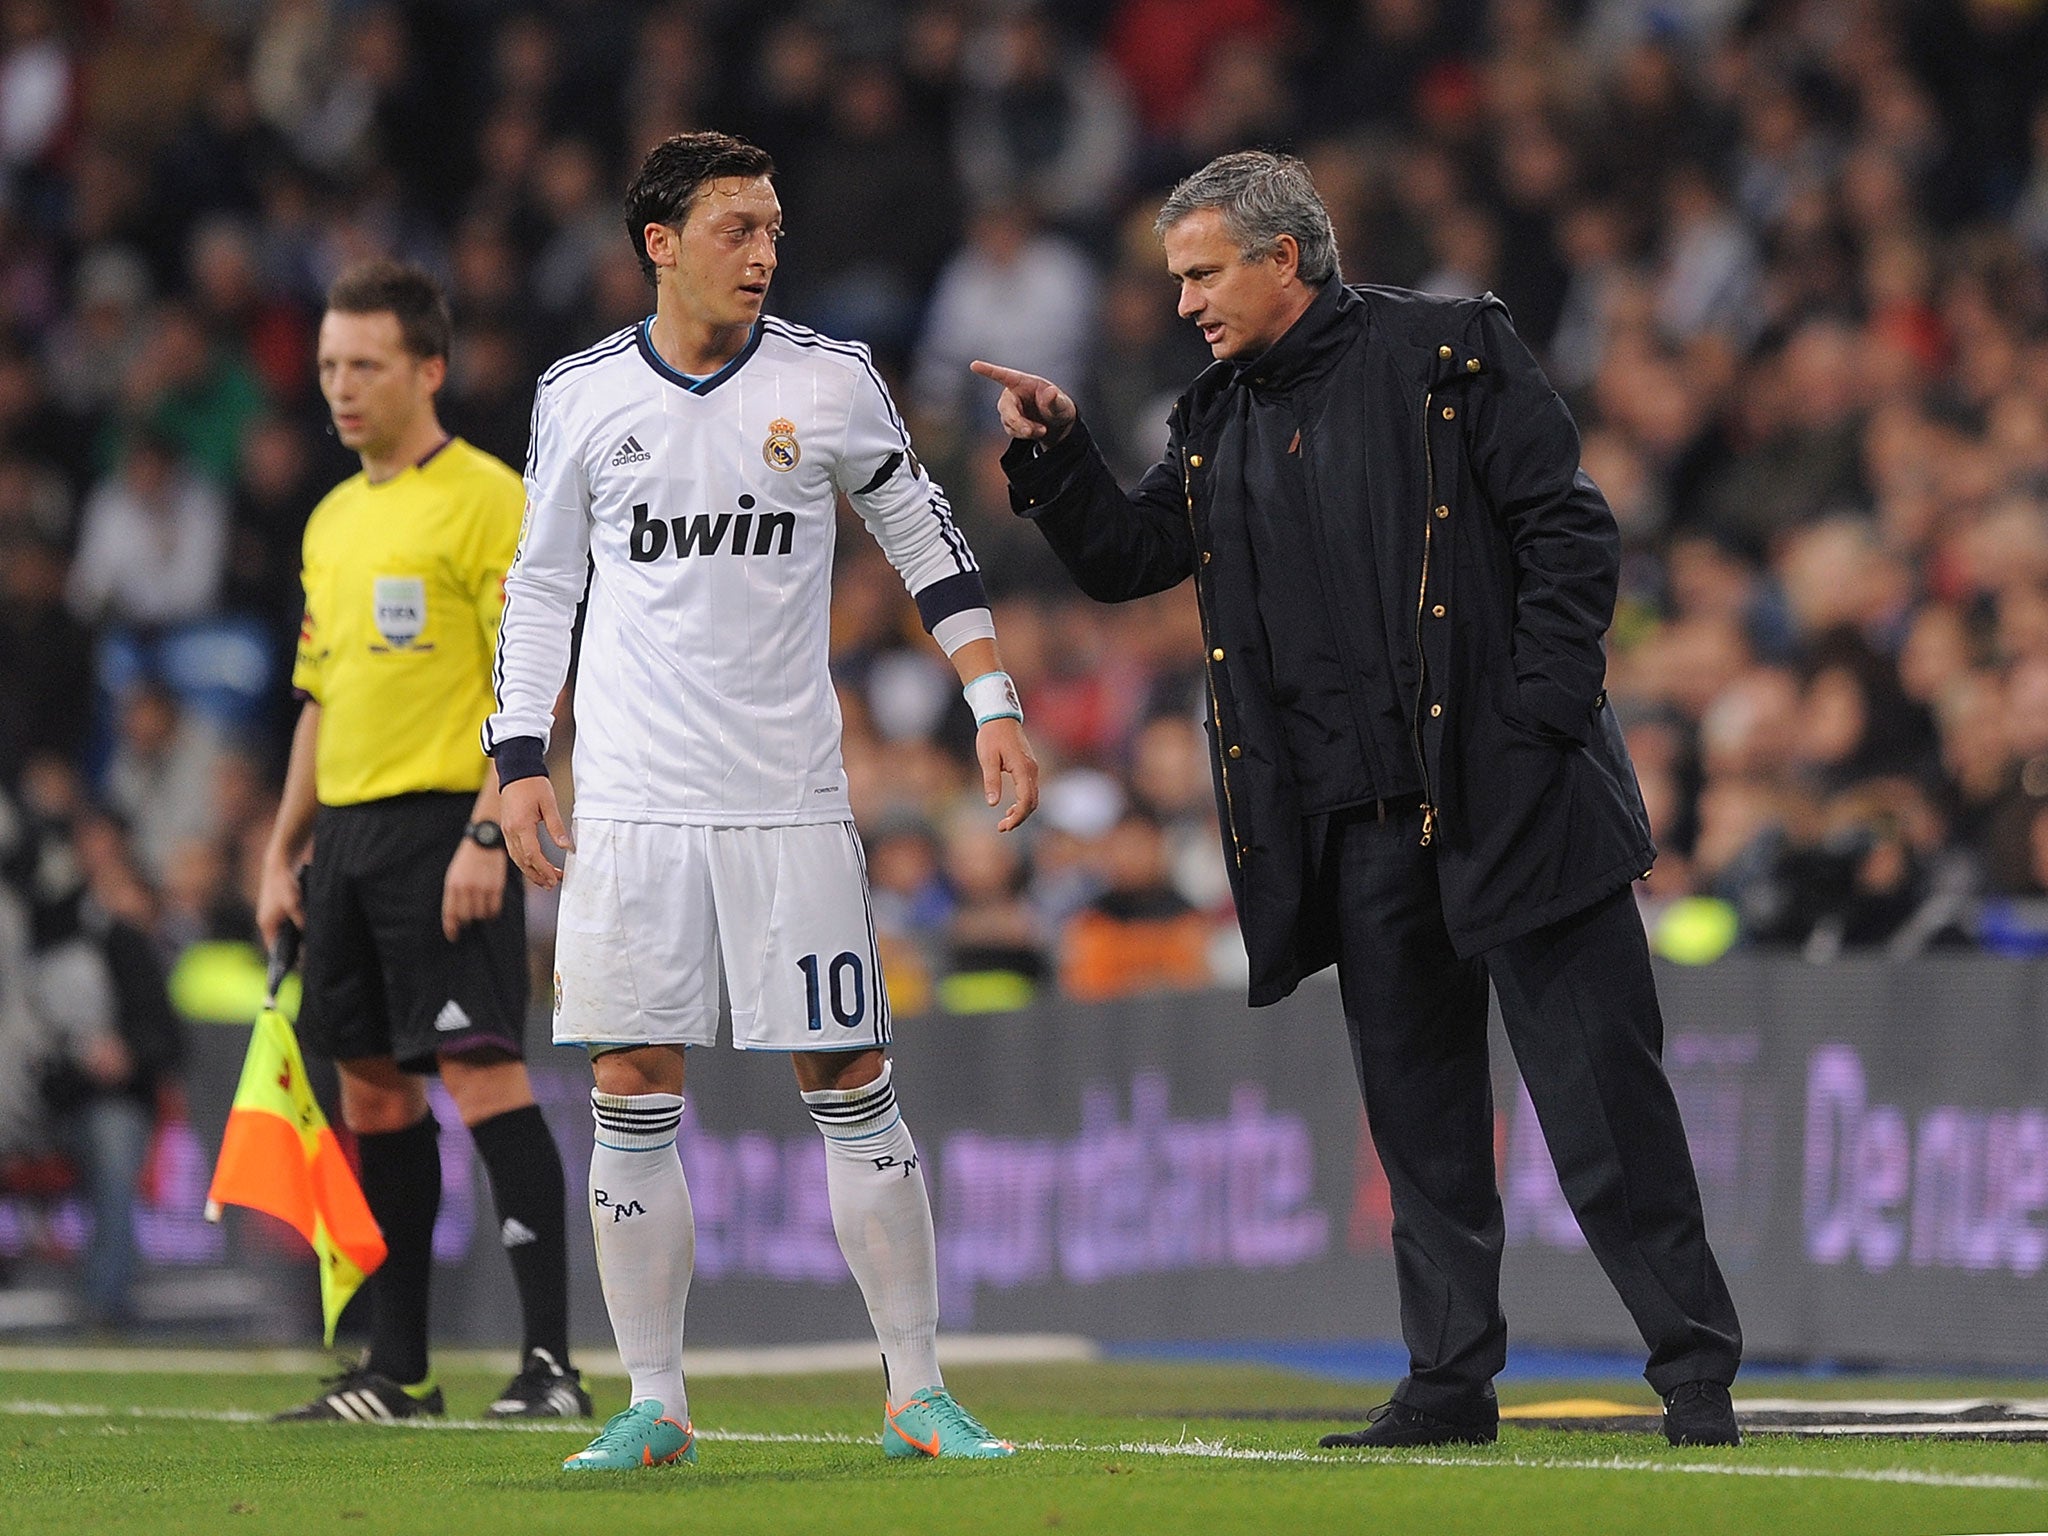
516, 1233
630, 452
451, 1018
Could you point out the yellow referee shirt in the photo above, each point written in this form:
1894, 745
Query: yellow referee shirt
405, 584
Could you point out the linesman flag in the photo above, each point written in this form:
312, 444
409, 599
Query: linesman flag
279, 1156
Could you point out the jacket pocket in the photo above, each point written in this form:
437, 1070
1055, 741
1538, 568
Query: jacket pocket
1550, 714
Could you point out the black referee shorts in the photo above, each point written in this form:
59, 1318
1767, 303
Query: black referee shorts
380, 979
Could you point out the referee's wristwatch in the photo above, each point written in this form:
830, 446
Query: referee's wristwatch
485, 834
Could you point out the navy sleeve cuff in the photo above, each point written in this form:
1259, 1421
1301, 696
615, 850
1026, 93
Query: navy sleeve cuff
520, 757
948, 596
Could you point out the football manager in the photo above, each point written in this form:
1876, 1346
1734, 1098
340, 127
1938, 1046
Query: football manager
1404, 577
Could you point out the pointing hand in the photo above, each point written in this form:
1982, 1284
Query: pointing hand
1031, 407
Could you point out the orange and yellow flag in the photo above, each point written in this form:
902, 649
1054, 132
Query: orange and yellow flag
279, 1156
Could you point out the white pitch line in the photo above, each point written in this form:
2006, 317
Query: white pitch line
966, 1349
1212, 1450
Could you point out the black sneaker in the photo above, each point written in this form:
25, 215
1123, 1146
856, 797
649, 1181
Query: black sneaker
543, 1389
1397, 1424
1699, 1413
360, 1396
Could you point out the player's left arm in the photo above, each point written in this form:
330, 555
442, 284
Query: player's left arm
908, 514
999, 740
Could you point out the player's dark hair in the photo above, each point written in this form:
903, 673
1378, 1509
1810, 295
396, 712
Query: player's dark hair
673, 173
381, 285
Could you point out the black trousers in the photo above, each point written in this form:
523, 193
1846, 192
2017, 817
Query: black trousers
1581, 1011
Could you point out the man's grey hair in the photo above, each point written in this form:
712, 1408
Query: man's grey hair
1261, 197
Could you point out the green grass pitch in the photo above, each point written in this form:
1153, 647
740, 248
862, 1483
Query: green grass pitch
1127, 1448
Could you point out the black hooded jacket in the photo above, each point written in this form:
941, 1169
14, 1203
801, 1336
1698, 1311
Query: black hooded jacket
1444, 478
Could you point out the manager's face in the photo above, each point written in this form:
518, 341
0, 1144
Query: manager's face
1242, 304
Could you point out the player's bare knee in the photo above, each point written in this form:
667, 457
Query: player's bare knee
836, 1069
638, 1069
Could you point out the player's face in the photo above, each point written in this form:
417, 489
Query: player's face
1241, 305
375, 388
725, 251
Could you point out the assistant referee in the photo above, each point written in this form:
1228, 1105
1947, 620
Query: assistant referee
415, 957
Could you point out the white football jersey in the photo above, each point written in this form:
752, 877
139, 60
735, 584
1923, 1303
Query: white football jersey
701, 514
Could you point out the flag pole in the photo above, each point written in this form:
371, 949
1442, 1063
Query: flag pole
284, 954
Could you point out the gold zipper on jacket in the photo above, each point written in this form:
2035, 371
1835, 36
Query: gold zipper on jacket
1209, 666
1421, 602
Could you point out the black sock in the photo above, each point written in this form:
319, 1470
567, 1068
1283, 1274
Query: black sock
527, 1186
402, 1182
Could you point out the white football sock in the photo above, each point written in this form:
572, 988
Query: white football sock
884, 1221
646, 1235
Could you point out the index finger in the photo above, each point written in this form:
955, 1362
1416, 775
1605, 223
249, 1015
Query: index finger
1009, 378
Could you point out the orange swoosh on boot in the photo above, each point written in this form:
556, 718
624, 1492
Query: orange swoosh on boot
930, 1448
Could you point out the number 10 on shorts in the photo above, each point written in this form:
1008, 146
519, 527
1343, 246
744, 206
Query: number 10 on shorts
846, 982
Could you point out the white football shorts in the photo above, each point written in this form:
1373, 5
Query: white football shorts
666, 931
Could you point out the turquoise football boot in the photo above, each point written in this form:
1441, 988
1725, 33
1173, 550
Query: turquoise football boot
930, 1423
642, 1436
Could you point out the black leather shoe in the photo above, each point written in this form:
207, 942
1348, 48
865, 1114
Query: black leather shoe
1699, 1413
1396, 1424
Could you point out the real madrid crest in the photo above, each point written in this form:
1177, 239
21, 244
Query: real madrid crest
781, 450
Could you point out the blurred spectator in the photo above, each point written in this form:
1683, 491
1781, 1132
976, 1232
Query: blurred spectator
1139, 933
252, 326
489, 394
580, 220
37, 82
1709, 280
992, 946
871, 211
149, 76
1162, 46
273, 492
162, 779
216, 166
52, 441
1014, 291
152, 542
1169, 778
1144, 354
1242, 99
106, 1098
1382, 55
45, 656
2010, 861
197, 390
1800, 427
910, 892
1076, 809
88, 1045
89, 353
1044, 120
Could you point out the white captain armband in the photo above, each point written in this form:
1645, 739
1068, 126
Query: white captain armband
992, 696
958, 628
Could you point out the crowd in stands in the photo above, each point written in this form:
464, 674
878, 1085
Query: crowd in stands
1787, 260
